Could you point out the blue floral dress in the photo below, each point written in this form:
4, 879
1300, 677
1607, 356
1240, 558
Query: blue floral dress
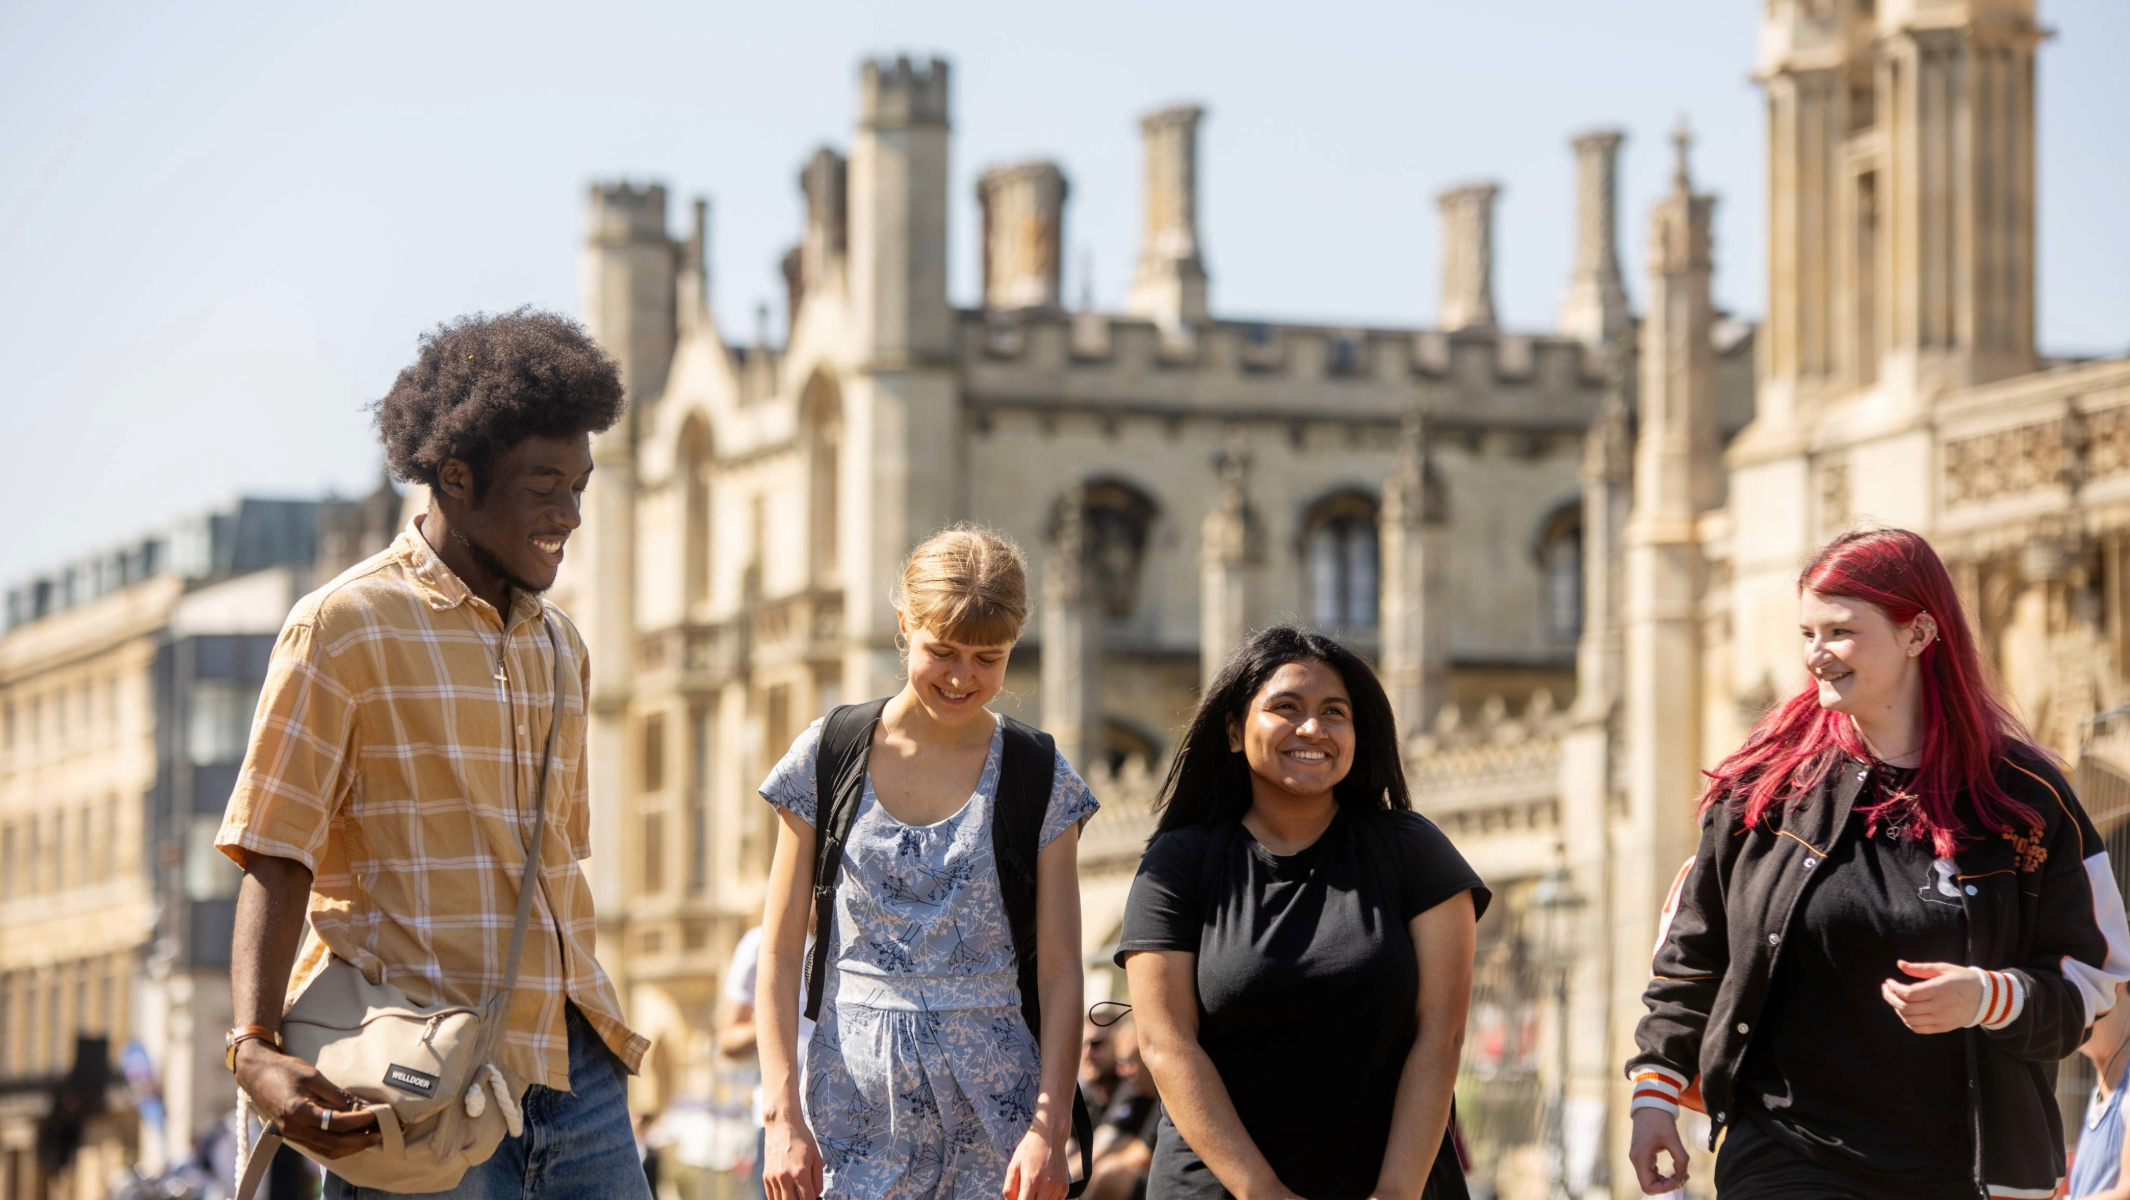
922, 1075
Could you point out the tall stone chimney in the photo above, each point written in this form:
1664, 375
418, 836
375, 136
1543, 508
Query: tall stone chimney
629, 281
898, 212
1170, 288
1595, 308
1024, 235
1467, 257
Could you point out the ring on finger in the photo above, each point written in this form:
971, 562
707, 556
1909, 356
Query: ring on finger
325, 1119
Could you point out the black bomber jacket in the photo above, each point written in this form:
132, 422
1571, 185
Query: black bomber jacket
2043, 912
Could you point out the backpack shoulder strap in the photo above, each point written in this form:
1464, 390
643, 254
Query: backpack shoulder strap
1025, 777
839, 785
1027, 773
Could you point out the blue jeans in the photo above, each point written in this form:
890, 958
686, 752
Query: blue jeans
577, 1144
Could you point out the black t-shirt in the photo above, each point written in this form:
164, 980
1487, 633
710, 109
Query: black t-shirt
1307, 985
1832, 1073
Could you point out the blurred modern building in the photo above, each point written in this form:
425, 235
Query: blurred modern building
1571, 552
127, 684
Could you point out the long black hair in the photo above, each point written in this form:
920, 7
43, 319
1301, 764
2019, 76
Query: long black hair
1208, 782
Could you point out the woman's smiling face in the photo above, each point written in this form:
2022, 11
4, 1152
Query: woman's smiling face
1858, 657
1298, 732
954, 680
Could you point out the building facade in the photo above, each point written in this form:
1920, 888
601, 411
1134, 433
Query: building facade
127, 684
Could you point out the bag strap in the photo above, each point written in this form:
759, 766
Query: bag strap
529, 877
1025, 778
254, 1159
839, 787
492, 1028
1027, 775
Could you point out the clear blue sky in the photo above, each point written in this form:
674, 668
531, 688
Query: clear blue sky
223, 225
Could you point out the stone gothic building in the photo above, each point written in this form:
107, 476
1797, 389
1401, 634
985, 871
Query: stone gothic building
1571, 552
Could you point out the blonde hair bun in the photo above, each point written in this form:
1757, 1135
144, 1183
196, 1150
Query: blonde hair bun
966, 584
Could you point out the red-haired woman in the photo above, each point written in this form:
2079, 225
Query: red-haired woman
1898, 920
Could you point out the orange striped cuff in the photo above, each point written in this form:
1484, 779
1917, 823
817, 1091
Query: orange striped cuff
1655, 1087
2003, 998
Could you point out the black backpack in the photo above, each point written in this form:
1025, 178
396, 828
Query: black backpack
1024, 783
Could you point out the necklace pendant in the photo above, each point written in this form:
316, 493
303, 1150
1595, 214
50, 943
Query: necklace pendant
500, 677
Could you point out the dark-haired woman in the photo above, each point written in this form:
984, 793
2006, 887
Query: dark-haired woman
1898, 921
1299, 944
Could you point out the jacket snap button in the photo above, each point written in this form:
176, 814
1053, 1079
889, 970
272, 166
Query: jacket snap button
1774, 938
1811, 863
1742, 1027
1972, 889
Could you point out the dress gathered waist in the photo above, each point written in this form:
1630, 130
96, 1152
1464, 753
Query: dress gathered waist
910, 992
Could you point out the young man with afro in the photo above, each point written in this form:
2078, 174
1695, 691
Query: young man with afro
386, 799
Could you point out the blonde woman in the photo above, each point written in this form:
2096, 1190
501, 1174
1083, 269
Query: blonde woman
935, 841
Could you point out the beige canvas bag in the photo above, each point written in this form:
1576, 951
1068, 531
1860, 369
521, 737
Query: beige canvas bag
428, 1073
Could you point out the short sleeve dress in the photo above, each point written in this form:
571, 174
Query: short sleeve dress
921, 1076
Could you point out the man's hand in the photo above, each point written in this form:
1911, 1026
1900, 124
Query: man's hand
303, 1105
1037, 1170
1654, 1130
1945, 1000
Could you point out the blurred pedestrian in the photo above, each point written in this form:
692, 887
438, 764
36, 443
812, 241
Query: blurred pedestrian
646, 1153
1898, 921
1098, 1065
1124, 1133
1299, 943
736, 1035
937, 842
2097, 1167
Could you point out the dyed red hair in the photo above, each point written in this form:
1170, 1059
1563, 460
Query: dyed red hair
1966, 728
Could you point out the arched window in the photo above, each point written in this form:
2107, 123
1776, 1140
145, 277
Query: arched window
822, 412
1118, 518
1560, 565
695, 512
1339, 552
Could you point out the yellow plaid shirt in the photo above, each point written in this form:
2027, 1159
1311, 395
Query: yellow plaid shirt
388, 758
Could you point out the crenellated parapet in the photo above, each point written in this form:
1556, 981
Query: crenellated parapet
1092, 343
898, 93
622, 213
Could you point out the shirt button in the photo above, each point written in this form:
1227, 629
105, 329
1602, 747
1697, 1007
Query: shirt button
1743, 1027
1971, 889
1774, 938
521, 730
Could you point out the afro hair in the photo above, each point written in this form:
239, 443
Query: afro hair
482, 384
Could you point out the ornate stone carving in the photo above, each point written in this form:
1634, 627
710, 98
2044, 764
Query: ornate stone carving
2007, 461
2107, 442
